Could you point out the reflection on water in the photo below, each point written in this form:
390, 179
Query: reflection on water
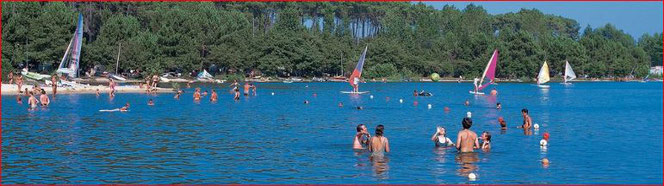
467, 163
380, 167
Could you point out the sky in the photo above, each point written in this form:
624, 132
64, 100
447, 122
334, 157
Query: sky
635, 18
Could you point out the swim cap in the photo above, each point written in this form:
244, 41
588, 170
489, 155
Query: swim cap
468, 114
500, 119
546, 136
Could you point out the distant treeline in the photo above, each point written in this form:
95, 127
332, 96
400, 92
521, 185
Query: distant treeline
316, 38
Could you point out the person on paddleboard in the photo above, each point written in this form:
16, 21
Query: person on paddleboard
475, 81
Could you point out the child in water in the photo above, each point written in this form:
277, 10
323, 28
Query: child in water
440, 139
545, 140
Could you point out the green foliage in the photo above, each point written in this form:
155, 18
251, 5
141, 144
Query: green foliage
405, 40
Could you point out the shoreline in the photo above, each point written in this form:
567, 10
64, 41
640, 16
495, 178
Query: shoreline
12, 89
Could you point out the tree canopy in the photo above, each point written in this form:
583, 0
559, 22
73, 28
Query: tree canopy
318, 38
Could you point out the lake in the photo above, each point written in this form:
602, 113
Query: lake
601, 132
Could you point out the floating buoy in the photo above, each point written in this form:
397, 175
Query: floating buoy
469, 115
273, 93
415, 103
543, 143
315, 94
536, 126
371, 96
429, 106
447, 109
472, 176
400, 100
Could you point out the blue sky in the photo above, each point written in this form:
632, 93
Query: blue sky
635, 18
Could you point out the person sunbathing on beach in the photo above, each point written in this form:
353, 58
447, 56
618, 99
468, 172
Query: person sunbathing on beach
467, 139
361, 139
44, 98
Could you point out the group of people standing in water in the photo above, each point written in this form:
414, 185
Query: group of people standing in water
466, 140
235, 89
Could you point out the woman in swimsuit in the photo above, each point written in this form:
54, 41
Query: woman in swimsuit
379, 143
440, 139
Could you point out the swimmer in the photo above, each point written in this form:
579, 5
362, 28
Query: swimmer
361, 139
19, 100
32, 101
446, 109
43, 98
440, 139
306, 101
527, 121
97, 92
214, 96
494, 92
341, 104
150, 102
27, 92
467, 139
177, 94
237, 93
125, 108
545, 162
466, 103
197, 94
253, 88
235, 83
205, 93
379, 143
498, 106
246, 88
503, 124
359, 107
415, 93
486, 140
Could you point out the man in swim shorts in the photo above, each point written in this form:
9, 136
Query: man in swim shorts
361, 139
197, 94
467, 139
213, 96
246, 88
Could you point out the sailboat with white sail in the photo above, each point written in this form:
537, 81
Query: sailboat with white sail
70, 61
543, 76
357, 73
489, 74
569, 74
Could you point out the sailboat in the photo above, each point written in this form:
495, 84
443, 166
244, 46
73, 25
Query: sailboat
357, 73
543, 75
569, 74
489, 73
70, 61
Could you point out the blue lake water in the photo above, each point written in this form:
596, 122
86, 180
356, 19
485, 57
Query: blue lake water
600, 133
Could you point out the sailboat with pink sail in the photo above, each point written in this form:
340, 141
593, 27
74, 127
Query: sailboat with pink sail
489, 74
70, 61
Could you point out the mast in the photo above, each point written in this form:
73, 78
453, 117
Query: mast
117, 61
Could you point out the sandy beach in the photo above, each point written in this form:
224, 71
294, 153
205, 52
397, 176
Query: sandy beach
12, 89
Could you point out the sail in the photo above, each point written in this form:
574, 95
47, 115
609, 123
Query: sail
204, 75
489, 71
543, 76
70, 61
357, 73
569, 73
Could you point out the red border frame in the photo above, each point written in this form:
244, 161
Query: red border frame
294, 1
